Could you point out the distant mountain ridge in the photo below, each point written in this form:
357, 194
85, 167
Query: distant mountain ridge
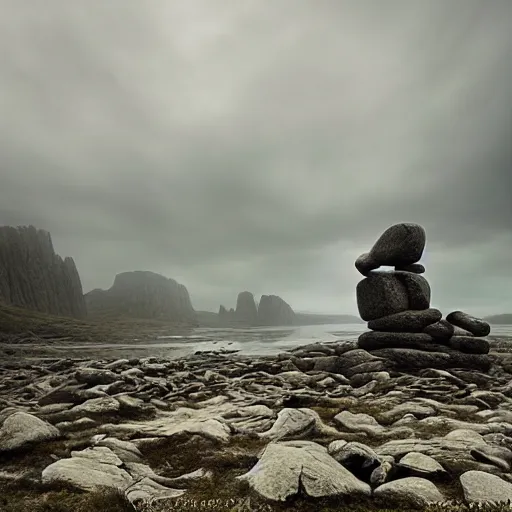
503, 319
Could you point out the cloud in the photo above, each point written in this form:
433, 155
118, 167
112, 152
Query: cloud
262, 146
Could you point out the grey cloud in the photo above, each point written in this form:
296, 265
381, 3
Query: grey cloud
262, 145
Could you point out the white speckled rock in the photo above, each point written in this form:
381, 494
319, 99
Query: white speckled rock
479, 486
335, 446
421, 463
415, 491
101, 405
125, 450
21, 429
284, 467
99, 454
359, 423
86, 474
147, 490
165, 427
297, 422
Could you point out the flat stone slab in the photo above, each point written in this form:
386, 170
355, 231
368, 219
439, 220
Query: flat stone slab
207, 421
100, 405
406, 321
86, 474
411, 359
209, 428
147, 491
419, 462
99, 454
469, 345
375, 340
415, 268
297, 423
361, 422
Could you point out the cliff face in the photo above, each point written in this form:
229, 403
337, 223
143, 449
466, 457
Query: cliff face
32, 276
246, 311
275, 311
142, 294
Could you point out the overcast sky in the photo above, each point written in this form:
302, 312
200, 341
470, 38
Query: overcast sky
262, 145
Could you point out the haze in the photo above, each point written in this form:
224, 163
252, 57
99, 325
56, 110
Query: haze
262, 145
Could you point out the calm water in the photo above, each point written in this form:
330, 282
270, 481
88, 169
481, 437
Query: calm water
256, 341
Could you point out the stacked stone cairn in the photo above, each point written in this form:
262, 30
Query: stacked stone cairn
405, 330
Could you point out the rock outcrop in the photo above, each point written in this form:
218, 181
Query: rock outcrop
404, 328
273, 310
246, 311
32, 276
143, 294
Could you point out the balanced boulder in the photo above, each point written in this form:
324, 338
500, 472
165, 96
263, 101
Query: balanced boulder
400, 245
405, 330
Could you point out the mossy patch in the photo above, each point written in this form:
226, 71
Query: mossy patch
14, 499
183, 453
327, 413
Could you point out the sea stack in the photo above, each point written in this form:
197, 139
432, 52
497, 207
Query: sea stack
396, 304
273, 310
246, 310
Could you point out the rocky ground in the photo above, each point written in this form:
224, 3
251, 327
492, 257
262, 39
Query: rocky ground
325, 427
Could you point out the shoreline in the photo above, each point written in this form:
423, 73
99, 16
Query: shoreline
163, 349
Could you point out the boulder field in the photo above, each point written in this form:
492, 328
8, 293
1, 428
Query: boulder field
325, 423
